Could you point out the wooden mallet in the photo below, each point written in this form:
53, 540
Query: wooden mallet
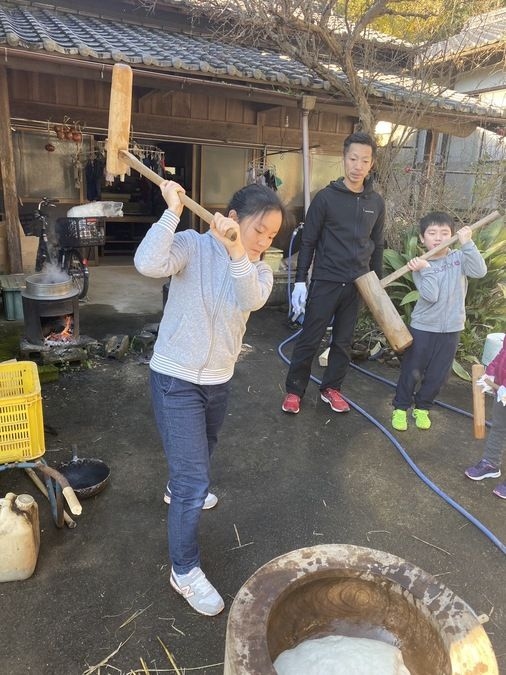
118, 157
477, 370
382, 308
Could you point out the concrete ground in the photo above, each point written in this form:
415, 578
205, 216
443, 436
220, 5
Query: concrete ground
100, 593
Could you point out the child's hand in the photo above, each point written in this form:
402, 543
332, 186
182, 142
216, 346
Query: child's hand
417, 264
220, 225
486, 382
465, 234
170, 192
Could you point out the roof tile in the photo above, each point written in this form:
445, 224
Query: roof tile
66, 32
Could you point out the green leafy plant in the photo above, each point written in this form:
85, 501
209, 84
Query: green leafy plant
485, 300
402, 292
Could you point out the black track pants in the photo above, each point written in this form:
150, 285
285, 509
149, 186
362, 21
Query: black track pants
425, 367
328, 301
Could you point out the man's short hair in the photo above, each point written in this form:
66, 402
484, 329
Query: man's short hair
360, 137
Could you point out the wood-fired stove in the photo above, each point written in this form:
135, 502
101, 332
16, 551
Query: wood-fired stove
51, 310
44, 317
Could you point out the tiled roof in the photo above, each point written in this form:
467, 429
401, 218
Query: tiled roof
73, 34
37, 28
394, 88
478, 32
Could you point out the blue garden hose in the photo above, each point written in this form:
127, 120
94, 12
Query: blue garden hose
495, 540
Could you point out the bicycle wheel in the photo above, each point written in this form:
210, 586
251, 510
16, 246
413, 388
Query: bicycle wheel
77, 269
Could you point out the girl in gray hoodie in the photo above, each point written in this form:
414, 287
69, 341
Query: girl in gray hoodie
217, 279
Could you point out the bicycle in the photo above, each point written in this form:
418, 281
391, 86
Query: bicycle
63, 251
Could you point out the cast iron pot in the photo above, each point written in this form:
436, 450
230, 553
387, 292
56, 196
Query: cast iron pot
86, 476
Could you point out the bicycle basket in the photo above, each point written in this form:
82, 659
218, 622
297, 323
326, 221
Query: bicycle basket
80, 232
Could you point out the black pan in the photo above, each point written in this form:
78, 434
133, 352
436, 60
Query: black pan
87, 477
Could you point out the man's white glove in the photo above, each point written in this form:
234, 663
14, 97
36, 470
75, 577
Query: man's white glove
501, 395
299, 295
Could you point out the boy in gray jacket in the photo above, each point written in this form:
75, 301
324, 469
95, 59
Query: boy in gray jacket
437, 319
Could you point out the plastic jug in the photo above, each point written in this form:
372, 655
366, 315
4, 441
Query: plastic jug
19, 536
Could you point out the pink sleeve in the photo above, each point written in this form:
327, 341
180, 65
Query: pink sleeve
491, 368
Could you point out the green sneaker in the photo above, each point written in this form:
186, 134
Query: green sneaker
422, 419
399, 420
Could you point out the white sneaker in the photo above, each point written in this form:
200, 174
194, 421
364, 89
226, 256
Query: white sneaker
198, 592
209, 502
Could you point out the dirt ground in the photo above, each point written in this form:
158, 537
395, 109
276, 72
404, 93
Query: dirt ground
100, 592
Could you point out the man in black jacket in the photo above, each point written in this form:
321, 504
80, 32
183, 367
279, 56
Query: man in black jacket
344, 231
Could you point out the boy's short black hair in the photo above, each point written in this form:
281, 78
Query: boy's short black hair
360, 137
436, 218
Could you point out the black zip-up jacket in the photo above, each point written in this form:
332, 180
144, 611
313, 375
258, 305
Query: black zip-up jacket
344, 231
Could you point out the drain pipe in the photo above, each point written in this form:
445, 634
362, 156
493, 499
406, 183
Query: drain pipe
307, 104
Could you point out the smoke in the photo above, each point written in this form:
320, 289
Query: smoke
53, 274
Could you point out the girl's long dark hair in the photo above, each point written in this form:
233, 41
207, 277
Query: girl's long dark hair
255, 200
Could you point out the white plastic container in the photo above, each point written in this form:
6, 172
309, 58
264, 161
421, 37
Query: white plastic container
492, 347
19, 536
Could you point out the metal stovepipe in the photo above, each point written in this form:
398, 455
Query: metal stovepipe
308, 103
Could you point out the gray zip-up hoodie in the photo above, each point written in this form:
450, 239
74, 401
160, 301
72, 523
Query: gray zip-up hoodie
443, 287
210, 299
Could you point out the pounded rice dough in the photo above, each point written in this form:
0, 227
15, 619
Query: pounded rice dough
338, 655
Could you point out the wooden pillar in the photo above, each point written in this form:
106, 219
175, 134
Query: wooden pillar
8, 172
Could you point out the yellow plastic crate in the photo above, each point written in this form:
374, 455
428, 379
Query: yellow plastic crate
21, 421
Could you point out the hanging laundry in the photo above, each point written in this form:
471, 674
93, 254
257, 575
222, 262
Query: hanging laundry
94, 171
270, 180
263, 174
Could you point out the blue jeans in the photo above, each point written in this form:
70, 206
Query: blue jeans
189, 417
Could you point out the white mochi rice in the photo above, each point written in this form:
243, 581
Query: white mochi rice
339, 655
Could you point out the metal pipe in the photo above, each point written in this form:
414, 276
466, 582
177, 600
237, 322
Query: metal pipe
307, 104
20, 124
305, 160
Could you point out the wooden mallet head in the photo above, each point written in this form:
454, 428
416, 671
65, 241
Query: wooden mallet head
118, 158
120, 113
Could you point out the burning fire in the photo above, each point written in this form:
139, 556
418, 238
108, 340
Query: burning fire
64, 335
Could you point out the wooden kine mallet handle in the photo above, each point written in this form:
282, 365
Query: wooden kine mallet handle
402, 270
118, 158
477, 371
136, 164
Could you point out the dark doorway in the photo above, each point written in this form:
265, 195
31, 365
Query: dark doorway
178, 167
